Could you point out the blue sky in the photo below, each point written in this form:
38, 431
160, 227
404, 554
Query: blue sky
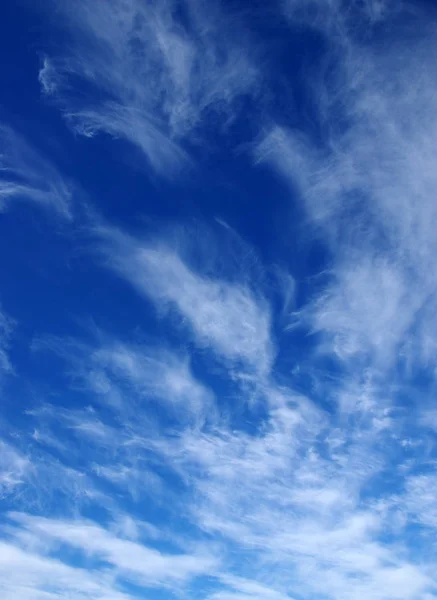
218, 325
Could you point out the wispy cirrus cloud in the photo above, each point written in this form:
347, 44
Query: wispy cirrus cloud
230, 318
28, 575
159, 374
114, 371
239, 588
130, 559
6, 325
26, 175
314, 471
137, 393
308, 475
14, 469
318, 479
368, 187
161, 72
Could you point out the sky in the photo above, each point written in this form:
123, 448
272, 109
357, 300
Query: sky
218, 286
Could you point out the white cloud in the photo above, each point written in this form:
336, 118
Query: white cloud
227, 317
26, 175
240, 588
157, 75
368, 187
132, 560
151, 392
35, 479
128, 376
6, 325
160, 374
14, 469
420, 499
289, 502
367, 183
25, 575
363, 309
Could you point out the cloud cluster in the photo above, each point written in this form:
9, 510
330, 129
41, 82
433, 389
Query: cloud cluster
368, 187
154, 74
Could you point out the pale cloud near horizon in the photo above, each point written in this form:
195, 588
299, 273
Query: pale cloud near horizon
305, 471
29, 576
142, 564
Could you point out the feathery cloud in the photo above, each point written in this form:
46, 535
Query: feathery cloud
161, 72
131, 559
228, 318
368, 188
26, 175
